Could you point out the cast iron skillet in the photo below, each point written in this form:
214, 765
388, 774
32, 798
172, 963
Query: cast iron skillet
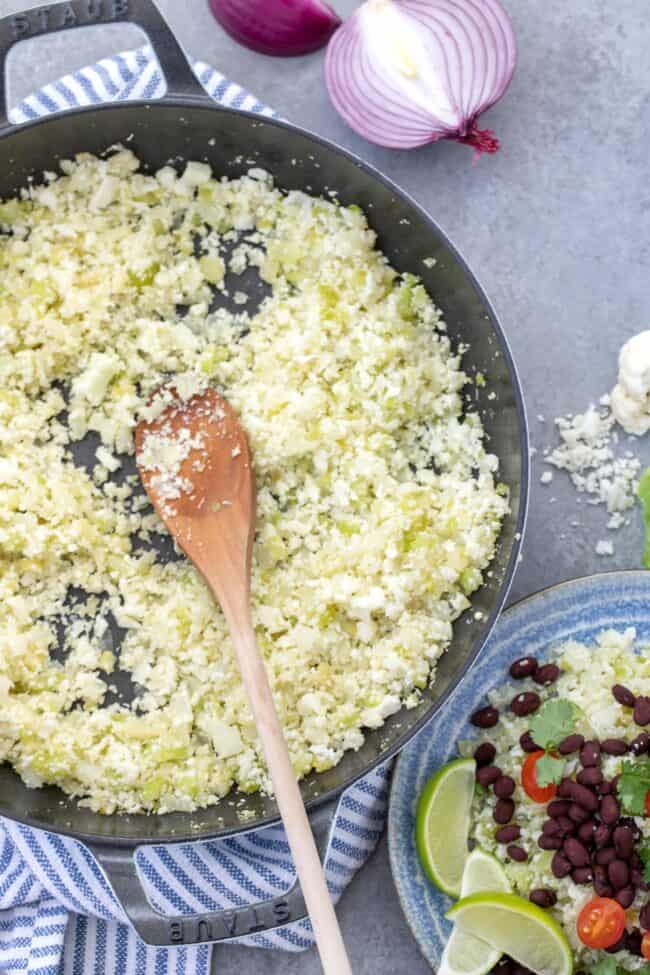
187, 124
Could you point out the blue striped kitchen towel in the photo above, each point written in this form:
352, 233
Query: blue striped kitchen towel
58, 914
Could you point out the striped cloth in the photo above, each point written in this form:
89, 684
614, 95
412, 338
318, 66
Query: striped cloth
58, 914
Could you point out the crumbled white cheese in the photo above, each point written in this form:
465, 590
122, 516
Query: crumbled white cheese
546, 477
630, 398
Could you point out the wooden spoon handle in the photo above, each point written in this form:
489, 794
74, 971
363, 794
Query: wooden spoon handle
287, 793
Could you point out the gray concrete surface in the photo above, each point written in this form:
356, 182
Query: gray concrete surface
557, 227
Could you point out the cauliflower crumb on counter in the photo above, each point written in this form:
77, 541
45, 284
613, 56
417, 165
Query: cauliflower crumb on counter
378, 508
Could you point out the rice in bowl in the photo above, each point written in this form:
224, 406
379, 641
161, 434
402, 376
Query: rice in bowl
591, 678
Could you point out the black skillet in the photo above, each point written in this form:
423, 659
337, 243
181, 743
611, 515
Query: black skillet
187, 124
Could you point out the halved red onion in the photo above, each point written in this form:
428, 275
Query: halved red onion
282, 27
406, 72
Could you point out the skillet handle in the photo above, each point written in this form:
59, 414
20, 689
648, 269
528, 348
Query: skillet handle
164, 930
50, 19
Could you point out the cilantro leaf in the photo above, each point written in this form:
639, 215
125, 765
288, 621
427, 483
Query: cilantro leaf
549, 769
633, 786
644, 853
555, 720
606, 966
643, 493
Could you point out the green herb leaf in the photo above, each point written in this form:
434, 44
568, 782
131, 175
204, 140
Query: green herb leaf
633, 786
555, 720
606, 966
549, 769
644, 853
643, 493
480, 791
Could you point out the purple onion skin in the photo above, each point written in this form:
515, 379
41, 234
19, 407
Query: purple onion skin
380, 110
282, 28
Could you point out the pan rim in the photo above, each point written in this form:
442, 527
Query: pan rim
206, 104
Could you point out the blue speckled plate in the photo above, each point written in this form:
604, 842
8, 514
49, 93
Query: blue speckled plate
580, 609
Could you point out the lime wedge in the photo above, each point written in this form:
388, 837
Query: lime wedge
483, 872
464, 953
516, 927
442, 824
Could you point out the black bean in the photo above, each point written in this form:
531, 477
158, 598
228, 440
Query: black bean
619, 946
641, 744
485, 754
504, 787
624, 842
517, 853
590, 754
644, 917
619, 874
582, 875
636, 876
602, 836
507, 834
614, 746
525, 704
633, 940
524, 667
549, 842
547, 674
583, 796
631, 823
488, 775
564, 788
573, 743
604, 788
641, 713
605, 856
527, 743
609, 810
551, 827
485, 717
503, 811
625, 896
566, 825
578, 813
576, 852
503, 967
543, 897
590, 777
601, 884
560, 866
586, 831
558, 807
520, 970
624, 696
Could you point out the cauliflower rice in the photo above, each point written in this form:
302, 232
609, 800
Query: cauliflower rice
588, 674
378, 506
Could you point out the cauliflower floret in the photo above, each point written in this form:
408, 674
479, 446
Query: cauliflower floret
630, 398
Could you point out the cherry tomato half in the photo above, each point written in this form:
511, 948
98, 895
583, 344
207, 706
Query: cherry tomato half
535, 792
647, 803
645, 945
601, 923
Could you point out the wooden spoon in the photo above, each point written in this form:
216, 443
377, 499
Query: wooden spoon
195, 464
